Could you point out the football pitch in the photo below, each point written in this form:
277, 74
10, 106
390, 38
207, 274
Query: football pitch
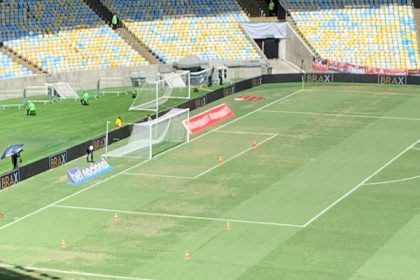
329, 191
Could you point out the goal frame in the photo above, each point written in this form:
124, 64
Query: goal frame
156, 101
113, 82
150, 125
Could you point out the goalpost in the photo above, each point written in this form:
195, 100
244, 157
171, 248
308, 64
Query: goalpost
37, 94
151, 137
11, 98
112, 86
154, 93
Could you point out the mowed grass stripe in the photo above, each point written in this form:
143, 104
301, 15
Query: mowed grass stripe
141, 163
307, 150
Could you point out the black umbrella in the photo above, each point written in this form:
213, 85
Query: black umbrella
11, 150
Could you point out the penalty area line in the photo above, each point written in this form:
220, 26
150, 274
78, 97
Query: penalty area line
245, 132
143, 162
177, 216
393, 181
157, 175
70, 272
362, 183
234, 157
341, 115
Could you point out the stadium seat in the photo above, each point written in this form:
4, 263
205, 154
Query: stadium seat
174, 29
62, 35
378, 33
10, 69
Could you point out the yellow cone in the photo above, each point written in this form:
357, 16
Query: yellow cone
115, 217
63, 244
228, 226
254, 144
187, 255
220, 160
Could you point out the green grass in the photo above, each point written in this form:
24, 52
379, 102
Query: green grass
330, 192
63, 124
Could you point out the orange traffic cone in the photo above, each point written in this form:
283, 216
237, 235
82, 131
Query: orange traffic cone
187, 255
1, 215
220, 160
228, 226
115, 217
254, 144
63, 244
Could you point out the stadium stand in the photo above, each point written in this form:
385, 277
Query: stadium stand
374, 33
174, 29
62, 35
10, 69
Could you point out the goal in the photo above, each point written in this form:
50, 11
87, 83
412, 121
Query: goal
154, 93
11, 98
116, 86
37, 94
201, 79
62, 90
151, 137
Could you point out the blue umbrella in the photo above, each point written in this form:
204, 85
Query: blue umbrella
11, 150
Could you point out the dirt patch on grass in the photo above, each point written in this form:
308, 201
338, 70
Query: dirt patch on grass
173, 206
147, 227
319, 125
200, 190
31, 256
62, 179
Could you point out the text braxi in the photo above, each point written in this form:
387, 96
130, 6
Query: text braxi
78, 176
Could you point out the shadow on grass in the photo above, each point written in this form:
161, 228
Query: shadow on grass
16, 272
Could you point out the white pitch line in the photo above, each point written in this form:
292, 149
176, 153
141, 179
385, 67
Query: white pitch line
69, 272
158, 175
341, 115
134, 166
386, 93
360, 184
392, 181
208, 170
177, 216
417, 149
245, 132
232, 158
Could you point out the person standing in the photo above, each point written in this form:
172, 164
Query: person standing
114, 21
89, 154
271, 8
119, 122
15, 161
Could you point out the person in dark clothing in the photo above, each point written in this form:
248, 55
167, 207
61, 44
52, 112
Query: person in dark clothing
15, 158
220, 74
89, 154
15, 161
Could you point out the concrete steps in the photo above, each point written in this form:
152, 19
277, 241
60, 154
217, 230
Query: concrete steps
106, 15
18, 59
293, 25
137, 45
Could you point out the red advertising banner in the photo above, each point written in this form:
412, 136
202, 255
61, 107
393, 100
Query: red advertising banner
208, 118
327, 65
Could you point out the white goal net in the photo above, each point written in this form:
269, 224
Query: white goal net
116, 86
152, 137
154, 93
37, 94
